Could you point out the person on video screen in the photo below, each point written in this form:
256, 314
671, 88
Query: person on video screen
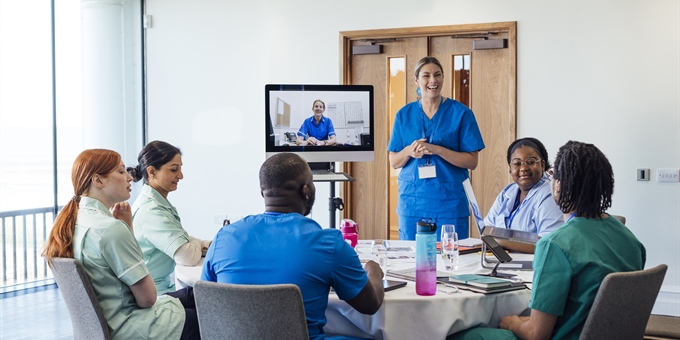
317, 129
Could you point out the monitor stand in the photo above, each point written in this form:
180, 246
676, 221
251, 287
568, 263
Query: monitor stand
334, 203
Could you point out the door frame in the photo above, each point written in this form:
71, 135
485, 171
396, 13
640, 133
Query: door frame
346, 38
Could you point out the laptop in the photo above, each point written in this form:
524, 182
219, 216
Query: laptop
516, 240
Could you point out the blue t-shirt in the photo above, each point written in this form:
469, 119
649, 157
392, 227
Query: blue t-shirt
321, 131
275, 248
454, 127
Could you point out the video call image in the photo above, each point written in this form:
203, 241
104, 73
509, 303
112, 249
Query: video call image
347, 110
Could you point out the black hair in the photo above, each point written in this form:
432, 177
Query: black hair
534, 144
282, 172
156, 154
586, 179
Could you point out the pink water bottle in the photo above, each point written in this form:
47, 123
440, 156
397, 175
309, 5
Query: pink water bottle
350, 231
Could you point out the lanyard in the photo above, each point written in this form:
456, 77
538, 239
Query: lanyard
434, 128
570, 217
515, 209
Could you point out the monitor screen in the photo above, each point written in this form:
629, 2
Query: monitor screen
346, 115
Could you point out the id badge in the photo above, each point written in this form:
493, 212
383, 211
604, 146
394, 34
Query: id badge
427, 171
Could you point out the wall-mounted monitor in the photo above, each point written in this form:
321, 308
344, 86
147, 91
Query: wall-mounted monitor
349, 108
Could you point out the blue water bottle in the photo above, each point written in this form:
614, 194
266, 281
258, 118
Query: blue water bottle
426, 258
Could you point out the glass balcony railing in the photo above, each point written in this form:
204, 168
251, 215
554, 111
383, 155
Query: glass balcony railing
23, 237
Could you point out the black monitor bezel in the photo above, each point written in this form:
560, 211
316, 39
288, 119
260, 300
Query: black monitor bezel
270, 146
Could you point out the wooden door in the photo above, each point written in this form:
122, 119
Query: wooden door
371, 200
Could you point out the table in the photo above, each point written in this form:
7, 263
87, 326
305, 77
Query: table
406, 315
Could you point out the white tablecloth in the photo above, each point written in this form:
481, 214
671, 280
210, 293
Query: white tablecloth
406, 315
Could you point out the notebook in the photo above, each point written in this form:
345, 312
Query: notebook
410, 274
479, 281
513, 286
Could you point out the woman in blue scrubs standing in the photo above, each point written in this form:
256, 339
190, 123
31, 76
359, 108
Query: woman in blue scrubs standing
435, 140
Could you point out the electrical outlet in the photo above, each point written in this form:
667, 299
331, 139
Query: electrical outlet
668, 175
643, 174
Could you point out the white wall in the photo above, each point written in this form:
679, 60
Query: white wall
605, 72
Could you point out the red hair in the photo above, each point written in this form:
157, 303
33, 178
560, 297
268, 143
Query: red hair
89, 163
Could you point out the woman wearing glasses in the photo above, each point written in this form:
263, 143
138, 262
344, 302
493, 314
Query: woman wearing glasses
571, 262
526, 204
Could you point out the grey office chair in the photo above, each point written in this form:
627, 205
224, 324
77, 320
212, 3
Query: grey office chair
623, 304
86, 314
228, 311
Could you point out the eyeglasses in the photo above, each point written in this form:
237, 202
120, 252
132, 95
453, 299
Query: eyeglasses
516, 164
549, 173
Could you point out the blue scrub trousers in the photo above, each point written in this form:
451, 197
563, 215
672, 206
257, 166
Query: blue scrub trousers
407, 226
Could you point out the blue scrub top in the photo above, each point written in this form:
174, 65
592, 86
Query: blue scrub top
276, 248
321, 131
454, 127
538, 212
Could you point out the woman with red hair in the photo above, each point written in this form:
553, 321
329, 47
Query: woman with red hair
95, 228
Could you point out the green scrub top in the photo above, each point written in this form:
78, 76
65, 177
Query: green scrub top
113, 261
159, 232
570, 264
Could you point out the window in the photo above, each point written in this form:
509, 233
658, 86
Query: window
40, 122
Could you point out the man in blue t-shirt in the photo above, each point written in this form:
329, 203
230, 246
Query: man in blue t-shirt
283, 246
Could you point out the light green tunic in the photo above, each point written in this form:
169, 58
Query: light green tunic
113, 261
159, 232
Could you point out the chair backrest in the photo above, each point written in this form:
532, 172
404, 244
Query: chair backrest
86, 314
623, 304
228, 311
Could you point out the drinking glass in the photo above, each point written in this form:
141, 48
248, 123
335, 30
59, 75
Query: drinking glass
380, 256
449, 245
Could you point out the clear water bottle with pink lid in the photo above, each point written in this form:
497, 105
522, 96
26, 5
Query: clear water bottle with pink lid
426, 258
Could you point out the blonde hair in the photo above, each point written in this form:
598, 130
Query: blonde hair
424, 61
320, 101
